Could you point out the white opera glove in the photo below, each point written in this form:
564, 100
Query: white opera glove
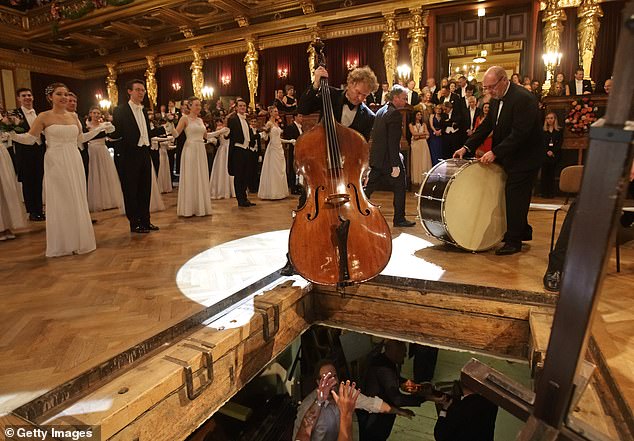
222, 132
170, 129
23, 138
108, 127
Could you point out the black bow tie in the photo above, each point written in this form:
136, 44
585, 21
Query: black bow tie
348, 103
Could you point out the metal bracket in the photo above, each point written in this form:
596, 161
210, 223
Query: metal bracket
266, 332
189, 376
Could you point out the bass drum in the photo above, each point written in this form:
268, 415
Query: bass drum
462, 202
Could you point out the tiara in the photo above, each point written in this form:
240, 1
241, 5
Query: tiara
49, 89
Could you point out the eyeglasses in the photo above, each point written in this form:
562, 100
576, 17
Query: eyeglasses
492, 86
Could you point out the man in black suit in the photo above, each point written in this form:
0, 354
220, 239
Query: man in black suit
453, 128
386, 161
241, 138
517, 146
29, 159
348, 105
293, 131
255, 158
473, 112
133, 127
579, 86
412, 96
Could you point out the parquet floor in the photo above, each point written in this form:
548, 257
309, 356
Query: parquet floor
62, 316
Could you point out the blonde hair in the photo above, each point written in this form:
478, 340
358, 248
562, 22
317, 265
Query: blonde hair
363, 75
556, 125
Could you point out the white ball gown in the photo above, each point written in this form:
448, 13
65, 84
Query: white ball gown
220, 183
273, 183
193, 185
68, 225
420, 154
12, 212
104, 188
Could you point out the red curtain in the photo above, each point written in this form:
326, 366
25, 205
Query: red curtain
366, 49
294, 59
168, 75
229, 66
569, 47
84, 89
607, 40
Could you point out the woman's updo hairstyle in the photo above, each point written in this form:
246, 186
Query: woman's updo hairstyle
51, 88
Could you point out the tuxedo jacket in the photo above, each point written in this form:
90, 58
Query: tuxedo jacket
310, 102
415, 99
517, 136
22, 151
236, 136
386, 139
587, 86
291, 131
468, 122
128, 131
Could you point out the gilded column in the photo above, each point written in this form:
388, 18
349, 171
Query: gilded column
312, 56
588, 13
111, 84
553, 18
252, 70
390, 48
150, 80
417, 35
197, 72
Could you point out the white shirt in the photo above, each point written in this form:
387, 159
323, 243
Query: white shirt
347, 115
299, 127
384, 97
472, 113
579, 86
29, 114
409, 96
137, 111
245, 131
463, 91
502, 102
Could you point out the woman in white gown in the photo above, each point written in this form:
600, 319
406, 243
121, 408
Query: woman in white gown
421, 157
193, 185
68, 225
220, 183
104, 188
273, 184
12, 212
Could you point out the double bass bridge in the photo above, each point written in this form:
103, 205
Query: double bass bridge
338, 199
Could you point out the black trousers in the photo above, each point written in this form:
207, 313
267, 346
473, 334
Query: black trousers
253, 174
241, 158
30, 160
375, 426
137, 185
156, 160
291, 175
171, 156
85, 159
519, 188
398, 185
547, 181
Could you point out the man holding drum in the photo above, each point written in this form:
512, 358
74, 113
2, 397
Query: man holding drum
516, 146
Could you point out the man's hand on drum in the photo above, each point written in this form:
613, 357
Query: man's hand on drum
319, 73
458, 154
488, 157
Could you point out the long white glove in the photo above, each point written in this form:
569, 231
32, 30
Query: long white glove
23, 138
222, 132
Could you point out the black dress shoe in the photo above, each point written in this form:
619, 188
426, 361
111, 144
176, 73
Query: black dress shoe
552, 280
139, 229
250, 204
244, 204
528, 234
508, 249
404, 223
37, 217
152, 227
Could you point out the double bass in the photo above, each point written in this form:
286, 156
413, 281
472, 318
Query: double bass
338, 237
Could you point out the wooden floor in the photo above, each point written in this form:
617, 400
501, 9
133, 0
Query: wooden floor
62, 316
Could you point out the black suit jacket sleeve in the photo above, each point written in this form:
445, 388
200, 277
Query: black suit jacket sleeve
309, 102
481, 133
394, 132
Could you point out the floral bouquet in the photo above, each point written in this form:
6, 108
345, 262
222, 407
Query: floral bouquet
581, 116
10, 122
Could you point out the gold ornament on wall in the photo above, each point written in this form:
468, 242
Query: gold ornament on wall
252, 71
417, 35
312, 56
150, 81
588, 13
553, 19
390, 48
197, 72
111, 84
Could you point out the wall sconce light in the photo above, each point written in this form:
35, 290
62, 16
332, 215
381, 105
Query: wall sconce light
176, 86
104, 104
403, 72
98, 96
282, 73
481, 12
352, 64
225, 80
207, 92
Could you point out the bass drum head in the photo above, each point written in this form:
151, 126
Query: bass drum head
475, 207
